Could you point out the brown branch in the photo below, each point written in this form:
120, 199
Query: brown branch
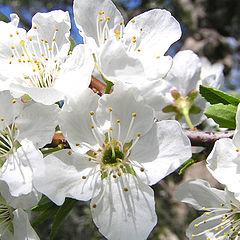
97, 86
206, 139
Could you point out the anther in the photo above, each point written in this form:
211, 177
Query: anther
16, 128
92, 126
203, 208
35, 27
84, 177
114, 176
12, 47
142, 169
158, 57
57, 29
11, 35
89, 159
77, 144
134, 114
100, 13
14, 101
94, 205
125, 189
100, 19
121, 23
237, 149
2, 119
141, 29
110, 109
118, 121
133, 21
30, 39
139, 50
196, 225
119, 174
17, 32
108, 18
69, 153
139, 134
110, 128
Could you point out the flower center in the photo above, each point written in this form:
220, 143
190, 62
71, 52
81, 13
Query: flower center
112, 156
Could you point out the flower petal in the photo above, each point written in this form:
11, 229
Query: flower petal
118, 211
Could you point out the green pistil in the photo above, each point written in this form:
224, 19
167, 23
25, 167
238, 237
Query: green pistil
111, 156
183, 106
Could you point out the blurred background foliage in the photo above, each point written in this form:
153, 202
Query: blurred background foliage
211, 29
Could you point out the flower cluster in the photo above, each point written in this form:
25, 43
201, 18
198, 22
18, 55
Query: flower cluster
118, 143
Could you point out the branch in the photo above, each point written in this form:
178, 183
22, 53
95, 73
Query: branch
206, 139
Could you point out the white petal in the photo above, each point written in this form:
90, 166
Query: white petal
60, 175
118, 65
185, 72
86, 15
199, 194
25, 201
223, 163
17, 172
22, 228
76, 119
37, 123
155, 31
46, 24
236, 137
77, 70
123, 214
161, 151
125, 101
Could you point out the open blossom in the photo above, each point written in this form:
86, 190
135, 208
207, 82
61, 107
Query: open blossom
221, 218
117, 150
141, 44
224, 160
14, 222
37, 62
22, 129
181, 98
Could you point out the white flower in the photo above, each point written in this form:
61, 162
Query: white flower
182, 97
224, 160
221, 219
20, 128
37, 63
14, 222
143, 41
117, 151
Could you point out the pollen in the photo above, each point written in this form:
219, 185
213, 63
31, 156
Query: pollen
69, 153
35, 27
101, 13
118, 121
139, 134
108, 18
14, 101
193, 235
133, 21
84, 177
92, 126
134, 114
100, 19
94, 205
142, 169
125, 189
110, 109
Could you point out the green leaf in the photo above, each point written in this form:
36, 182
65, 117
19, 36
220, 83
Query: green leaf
72, 43
4, 18
224, 115
215, 96
62, 213
48, 213
43, 205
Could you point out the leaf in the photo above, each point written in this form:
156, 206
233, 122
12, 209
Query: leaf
43, 205
224, 115
62, 213
48, 213
4, 18
215, 96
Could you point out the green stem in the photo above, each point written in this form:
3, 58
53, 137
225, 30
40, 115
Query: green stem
52, 150
108, 87
188, 120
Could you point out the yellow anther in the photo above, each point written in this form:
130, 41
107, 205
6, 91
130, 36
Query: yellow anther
30, 39
139, 134
35, 27
118, 121
70, 53
94, 153
217, 229
208, 213
42, 39
119, 174
141, 29
54, 39
2, 119
12, 47
110, 128
204, 222
12, 55
57, 29
92, 126
114, 176
121, 23
10, 62
134, 40
237, 149
56, 60
92, 113
142, 169
117, 32
193, 235
34, 70
134, 114
49, 48
89, 159
126, 149
208, 239
19, 60
84, 177
16, 128
158, 57
196, 225
34, 55
133, 21
17, 32
121, 166
69, 153
134, 37
108, 18
99, 150
14, 101
101, 13
103, 168
118, 159
94, 205
110, 109
139, 50
222, 227
107, 144
100, 19
24, 61
22, 54
46, 59
5, 133
42, 55
222, 204
125, 189
203, 208
11, 35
